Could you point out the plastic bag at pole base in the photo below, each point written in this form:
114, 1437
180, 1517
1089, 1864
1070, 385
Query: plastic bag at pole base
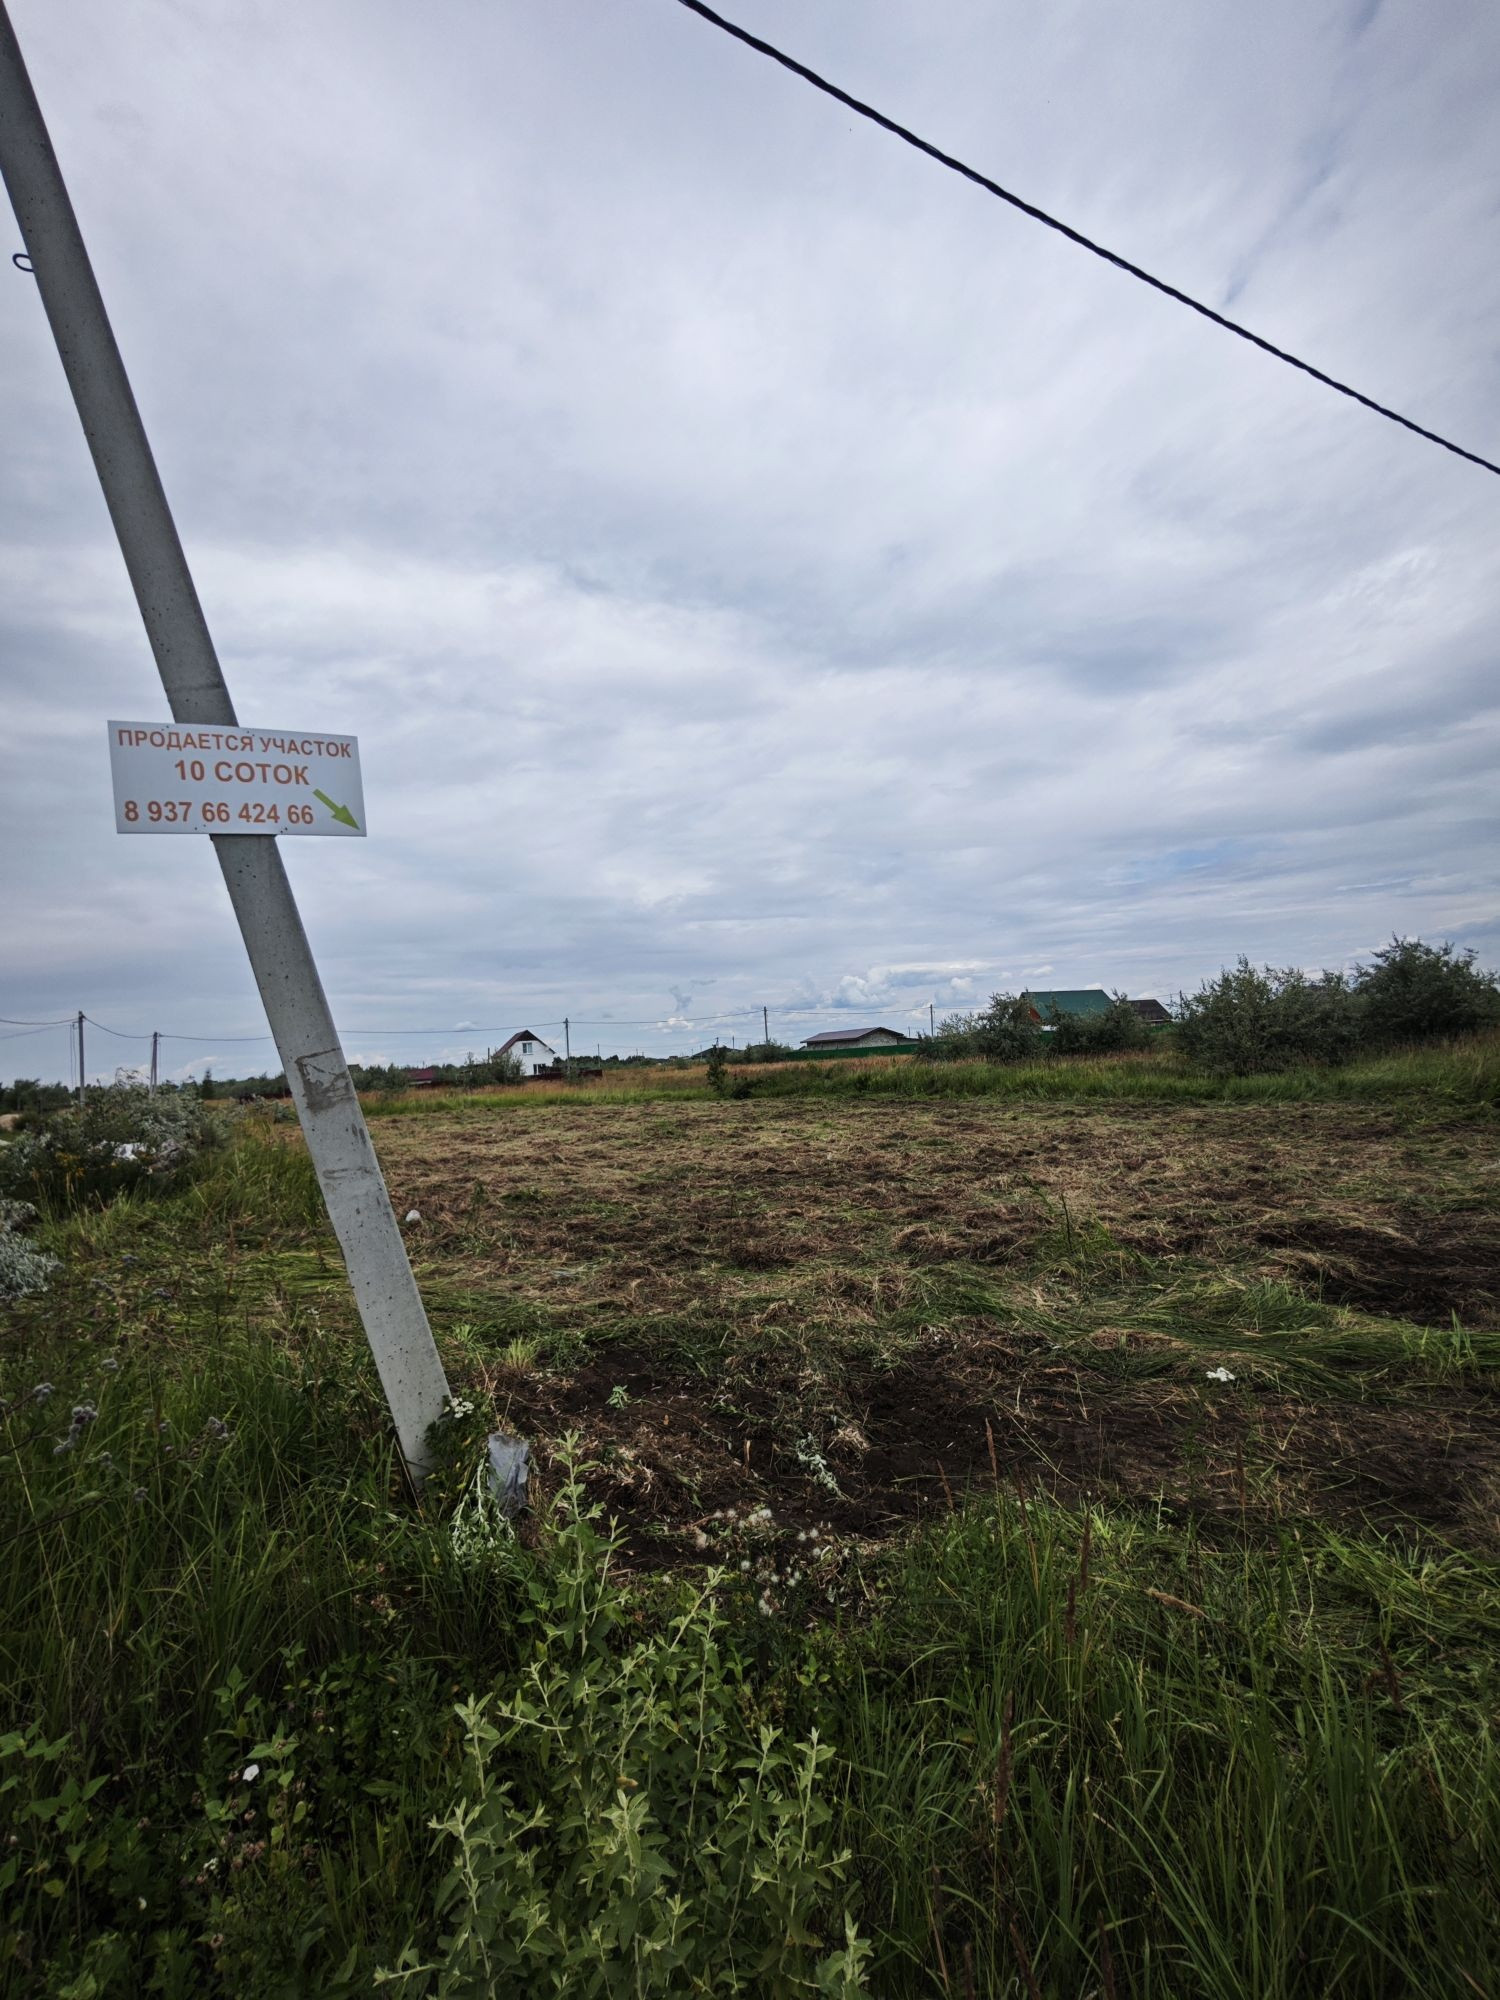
510, 1468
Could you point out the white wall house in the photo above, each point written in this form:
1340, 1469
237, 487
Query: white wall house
859, 1038
530, 1051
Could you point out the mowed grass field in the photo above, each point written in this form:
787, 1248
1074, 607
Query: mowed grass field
1100, 1496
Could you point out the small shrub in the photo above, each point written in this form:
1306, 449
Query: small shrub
22, 1269
1109, 1033
1004, 1032
121, 1137
626, 1826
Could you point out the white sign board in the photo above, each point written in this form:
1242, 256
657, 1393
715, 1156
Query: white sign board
191, 777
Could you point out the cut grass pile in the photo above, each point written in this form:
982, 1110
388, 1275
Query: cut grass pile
1084, 1672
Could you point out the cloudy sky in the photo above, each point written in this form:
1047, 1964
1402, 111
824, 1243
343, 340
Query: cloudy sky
761, 568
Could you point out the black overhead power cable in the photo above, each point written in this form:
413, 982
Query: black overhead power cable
1073, 235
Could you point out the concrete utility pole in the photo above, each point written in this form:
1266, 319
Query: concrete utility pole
81, 1079
155, 1052
306, 1040
765, 1022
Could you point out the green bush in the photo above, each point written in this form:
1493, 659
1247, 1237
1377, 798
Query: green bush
626, 1827
1259, 1018
121, 1137
1110, 1033
1003, 1032
1415, 992
22, 1268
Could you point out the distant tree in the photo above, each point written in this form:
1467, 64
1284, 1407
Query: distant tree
1004, 1031
1257, 1018
718, 1069
29, 1093
1098, 1034
1415, 992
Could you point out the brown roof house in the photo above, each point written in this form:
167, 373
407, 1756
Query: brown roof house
1152, 1013
861, 1038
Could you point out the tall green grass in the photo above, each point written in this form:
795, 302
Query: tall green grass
1105, 1751
1465, 1073
1103, 1754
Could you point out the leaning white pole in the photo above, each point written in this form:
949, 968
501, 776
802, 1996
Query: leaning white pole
348, 1172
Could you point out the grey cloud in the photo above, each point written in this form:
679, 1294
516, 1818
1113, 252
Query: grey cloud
754, 563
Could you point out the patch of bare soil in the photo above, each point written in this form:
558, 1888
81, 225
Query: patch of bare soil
1425, 1268
778, 1233
624, 1204
667, 1451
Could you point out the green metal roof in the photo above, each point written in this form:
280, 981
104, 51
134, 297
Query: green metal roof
1087, 1000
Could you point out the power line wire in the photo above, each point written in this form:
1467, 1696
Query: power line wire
1073, 235
664, 1025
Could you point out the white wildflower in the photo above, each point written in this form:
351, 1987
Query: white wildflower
1219, 1375
250, 1773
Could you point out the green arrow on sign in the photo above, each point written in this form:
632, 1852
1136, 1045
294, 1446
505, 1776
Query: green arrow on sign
341, 813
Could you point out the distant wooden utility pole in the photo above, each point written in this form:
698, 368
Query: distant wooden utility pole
930, 1028
80, 1057
155, 1047
765, 1022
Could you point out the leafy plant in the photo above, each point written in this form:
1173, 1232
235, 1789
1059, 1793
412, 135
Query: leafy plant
626, 1825
121, 1137
23, 1269
1003, 1032
1415, 992
1117, 1029
1258, 1018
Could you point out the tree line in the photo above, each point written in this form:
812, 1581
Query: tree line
1252, 1018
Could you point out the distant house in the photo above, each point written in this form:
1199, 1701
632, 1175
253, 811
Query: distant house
1080, 1002
1152, 1013
860, 1038
530, 1051
421, 1079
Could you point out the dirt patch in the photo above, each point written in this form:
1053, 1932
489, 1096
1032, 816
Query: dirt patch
1428, 1269
824, 1310
1358, 1209
665, 1452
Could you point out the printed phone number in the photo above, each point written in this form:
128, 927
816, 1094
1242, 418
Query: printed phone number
215, 812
